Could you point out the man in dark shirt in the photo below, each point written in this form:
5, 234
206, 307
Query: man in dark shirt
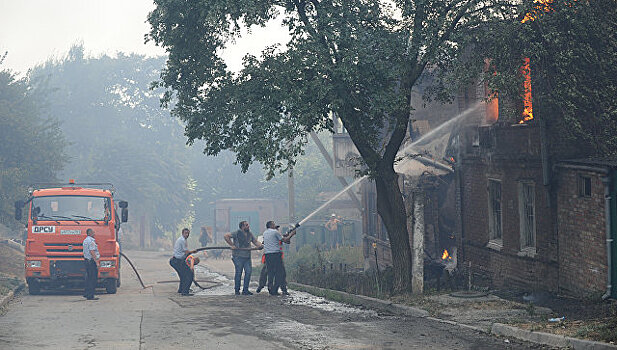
240, 242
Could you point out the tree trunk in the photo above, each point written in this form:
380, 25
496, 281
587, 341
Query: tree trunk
391, 208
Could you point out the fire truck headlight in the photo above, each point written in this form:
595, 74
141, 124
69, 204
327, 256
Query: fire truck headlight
107, 263
33, 263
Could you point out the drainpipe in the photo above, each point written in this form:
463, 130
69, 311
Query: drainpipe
606, 180
546, 170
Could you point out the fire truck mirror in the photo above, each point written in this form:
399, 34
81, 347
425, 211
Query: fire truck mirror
18, 206
125, 214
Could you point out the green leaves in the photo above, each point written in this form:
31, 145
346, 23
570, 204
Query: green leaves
119, 134
33, 146
573, 53
358, 59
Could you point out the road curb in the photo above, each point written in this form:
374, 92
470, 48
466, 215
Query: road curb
496, 328
548, 339
7, 298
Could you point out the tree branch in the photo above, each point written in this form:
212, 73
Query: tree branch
300, 6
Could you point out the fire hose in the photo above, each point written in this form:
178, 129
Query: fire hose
196, 250
134, 269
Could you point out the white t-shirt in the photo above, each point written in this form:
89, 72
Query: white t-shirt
271, 241
180, 248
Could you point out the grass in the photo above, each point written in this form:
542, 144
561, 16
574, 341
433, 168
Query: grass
8, 284
605, 330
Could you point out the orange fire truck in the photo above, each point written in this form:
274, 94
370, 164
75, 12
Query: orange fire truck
58, 216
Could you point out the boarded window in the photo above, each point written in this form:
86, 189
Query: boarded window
494, 206
527, 212
584, 186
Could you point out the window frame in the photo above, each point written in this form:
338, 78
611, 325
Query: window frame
528, 240
494, 241
581, 186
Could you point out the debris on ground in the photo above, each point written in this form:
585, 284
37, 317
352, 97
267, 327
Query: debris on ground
590, 319
11, 268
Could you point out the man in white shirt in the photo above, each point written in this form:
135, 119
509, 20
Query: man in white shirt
91, 261
177, 261
274, 256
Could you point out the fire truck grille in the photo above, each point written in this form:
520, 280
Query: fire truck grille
66, 268
76, 248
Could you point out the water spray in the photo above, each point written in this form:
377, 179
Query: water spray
404, 151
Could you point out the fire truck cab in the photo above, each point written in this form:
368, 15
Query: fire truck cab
58, 216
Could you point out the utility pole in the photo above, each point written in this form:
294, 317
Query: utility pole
291, 196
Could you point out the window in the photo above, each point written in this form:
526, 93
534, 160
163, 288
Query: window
584, 186
71, 208
494, 207
527, 213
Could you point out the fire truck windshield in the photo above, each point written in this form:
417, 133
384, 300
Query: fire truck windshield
71, 208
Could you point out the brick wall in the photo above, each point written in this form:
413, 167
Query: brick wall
582, 236
509, 154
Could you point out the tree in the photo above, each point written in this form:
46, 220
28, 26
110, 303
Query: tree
33, 146
356, 58
119, 134
572, 47
218, 178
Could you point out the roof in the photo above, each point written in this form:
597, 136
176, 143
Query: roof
243, 200
595, 162
71, 191
414, 167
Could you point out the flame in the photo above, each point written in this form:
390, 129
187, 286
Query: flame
527, 106
541, 6
445, 255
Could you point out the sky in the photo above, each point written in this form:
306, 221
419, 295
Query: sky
31, 31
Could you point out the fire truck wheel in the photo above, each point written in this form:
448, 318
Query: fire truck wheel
110, 286
118, 280
34, 288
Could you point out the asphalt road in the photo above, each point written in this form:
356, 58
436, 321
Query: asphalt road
158, 318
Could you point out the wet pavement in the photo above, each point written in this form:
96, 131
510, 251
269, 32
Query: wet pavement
159, 318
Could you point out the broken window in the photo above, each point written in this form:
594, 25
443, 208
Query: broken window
527, 214
494, 206
584, 186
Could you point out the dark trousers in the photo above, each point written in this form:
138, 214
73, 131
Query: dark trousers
242, 264
276, 271
184, 272
263, 277
92, 274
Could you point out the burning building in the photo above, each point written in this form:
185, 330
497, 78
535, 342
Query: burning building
530, 220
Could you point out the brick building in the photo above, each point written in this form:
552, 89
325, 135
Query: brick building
520, 230
587, 211
517, 220
507, 223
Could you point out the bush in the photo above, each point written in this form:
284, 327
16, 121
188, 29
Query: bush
338, 269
